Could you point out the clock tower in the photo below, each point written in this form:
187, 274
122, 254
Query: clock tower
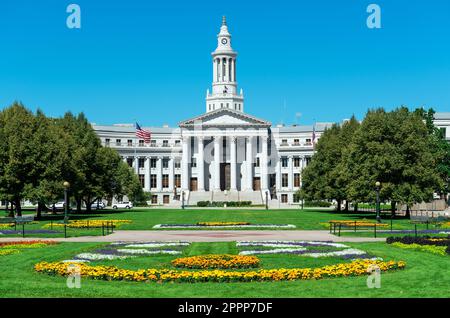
224, 86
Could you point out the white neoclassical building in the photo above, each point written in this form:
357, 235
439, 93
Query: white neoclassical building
223, 154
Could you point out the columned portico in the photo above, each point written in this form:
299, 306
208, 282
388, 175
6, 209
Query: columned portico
185, 163
249, 163
233, 161
217, 152
201, 165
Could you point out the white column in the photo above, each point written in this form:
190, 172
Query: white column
214, 70
233, 70
233, 168
217, 146
171, 173
249, 163
147, 174
301, 170
136, 165
278, 175
201, 165
159, 173
291, 173
185, 164
263, 169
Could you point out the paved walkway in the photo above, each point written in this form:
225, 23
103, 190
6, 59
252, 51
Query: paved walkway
208, 236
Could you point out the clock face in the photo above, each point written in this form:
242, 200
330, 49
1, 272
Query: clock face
224, 41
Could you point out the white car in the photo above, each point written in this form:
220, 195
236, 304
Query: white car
58, 205
122, 205
99, 205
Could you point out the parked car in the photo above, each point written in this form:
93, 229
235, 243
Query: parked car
122, 205
99, 205
58, 205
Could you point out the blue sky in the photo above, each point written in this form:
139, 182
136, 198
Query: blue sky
150, 60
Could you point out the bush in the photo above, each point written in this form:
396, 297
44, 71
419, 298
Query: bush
320, 204
222, 203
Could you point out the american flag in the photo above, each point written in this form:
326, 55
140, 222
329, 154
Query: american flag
314, 135
143, 134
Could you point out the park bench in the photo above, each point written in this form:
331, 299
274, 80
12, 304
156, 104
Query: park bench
337, 226
19, 220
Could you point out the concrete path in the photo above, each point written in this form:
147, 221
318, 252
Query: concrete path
208, 236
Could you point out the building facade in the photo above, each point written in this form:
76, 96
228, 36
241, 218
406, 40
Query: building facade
223, 154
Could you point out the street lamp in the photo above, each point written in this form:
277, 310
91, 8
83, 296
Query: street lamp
66, 185
377, 189
182, 200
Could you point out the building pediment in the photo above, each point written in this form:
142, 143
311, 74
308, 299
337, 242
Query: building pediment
225, 117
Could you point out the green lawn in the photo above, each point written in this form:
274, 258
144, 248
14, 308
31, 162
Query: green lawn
145, 219
426, 275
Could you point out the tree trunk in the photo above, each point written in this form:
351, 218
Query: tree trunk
18, 207
88, 205
346, 205
339, 205
355, 207
393, 208
39, 211
78, 200
408, 214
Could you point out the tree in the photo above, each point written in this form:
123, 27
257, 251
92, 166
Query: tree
324, 177
440, 149
17, 126
393, 148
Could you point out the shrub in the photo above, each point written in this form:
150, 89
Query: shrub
320, 204
422, 240
222, 203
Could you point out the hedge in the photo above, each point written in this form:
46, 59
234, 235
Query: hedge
320, 204
222, 203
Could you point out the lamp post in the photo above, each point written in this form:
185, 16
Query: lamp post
267, 199
182, 200
66, 185
377, 189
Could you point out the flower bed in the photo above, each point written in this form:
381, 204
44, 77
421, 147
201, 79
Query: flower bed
362, 223
82, 224
8, 252
221, 223
303, 248
6, 232
440, 250
356, 268
26, 244
235, 226
217, 261
439, 243
124, 250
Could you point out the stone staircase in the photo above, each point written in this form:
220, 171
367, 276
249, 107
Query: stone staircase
221, 196
196, 196
254, 196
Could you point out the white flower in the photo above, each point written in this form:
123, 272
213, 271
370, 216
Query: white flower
75, 261
349, 251
147, 252
273, 251
288, 243
96, 257
148, 245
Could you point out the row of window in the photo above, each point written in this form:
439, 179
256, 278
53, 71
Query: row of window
308, 142
141, 143
166, 198
165, 181
296, 161
285, 180
237, 106
165, 163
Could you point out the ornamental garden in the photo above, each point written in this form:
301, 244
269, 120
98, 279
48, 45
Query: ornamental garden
409, 265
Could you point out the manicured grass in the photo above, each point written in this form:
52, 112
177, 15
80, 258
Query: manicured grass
145, 219
425, 276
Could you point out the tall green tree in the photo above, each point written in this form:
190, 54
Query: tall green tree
394, 149
16, 175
